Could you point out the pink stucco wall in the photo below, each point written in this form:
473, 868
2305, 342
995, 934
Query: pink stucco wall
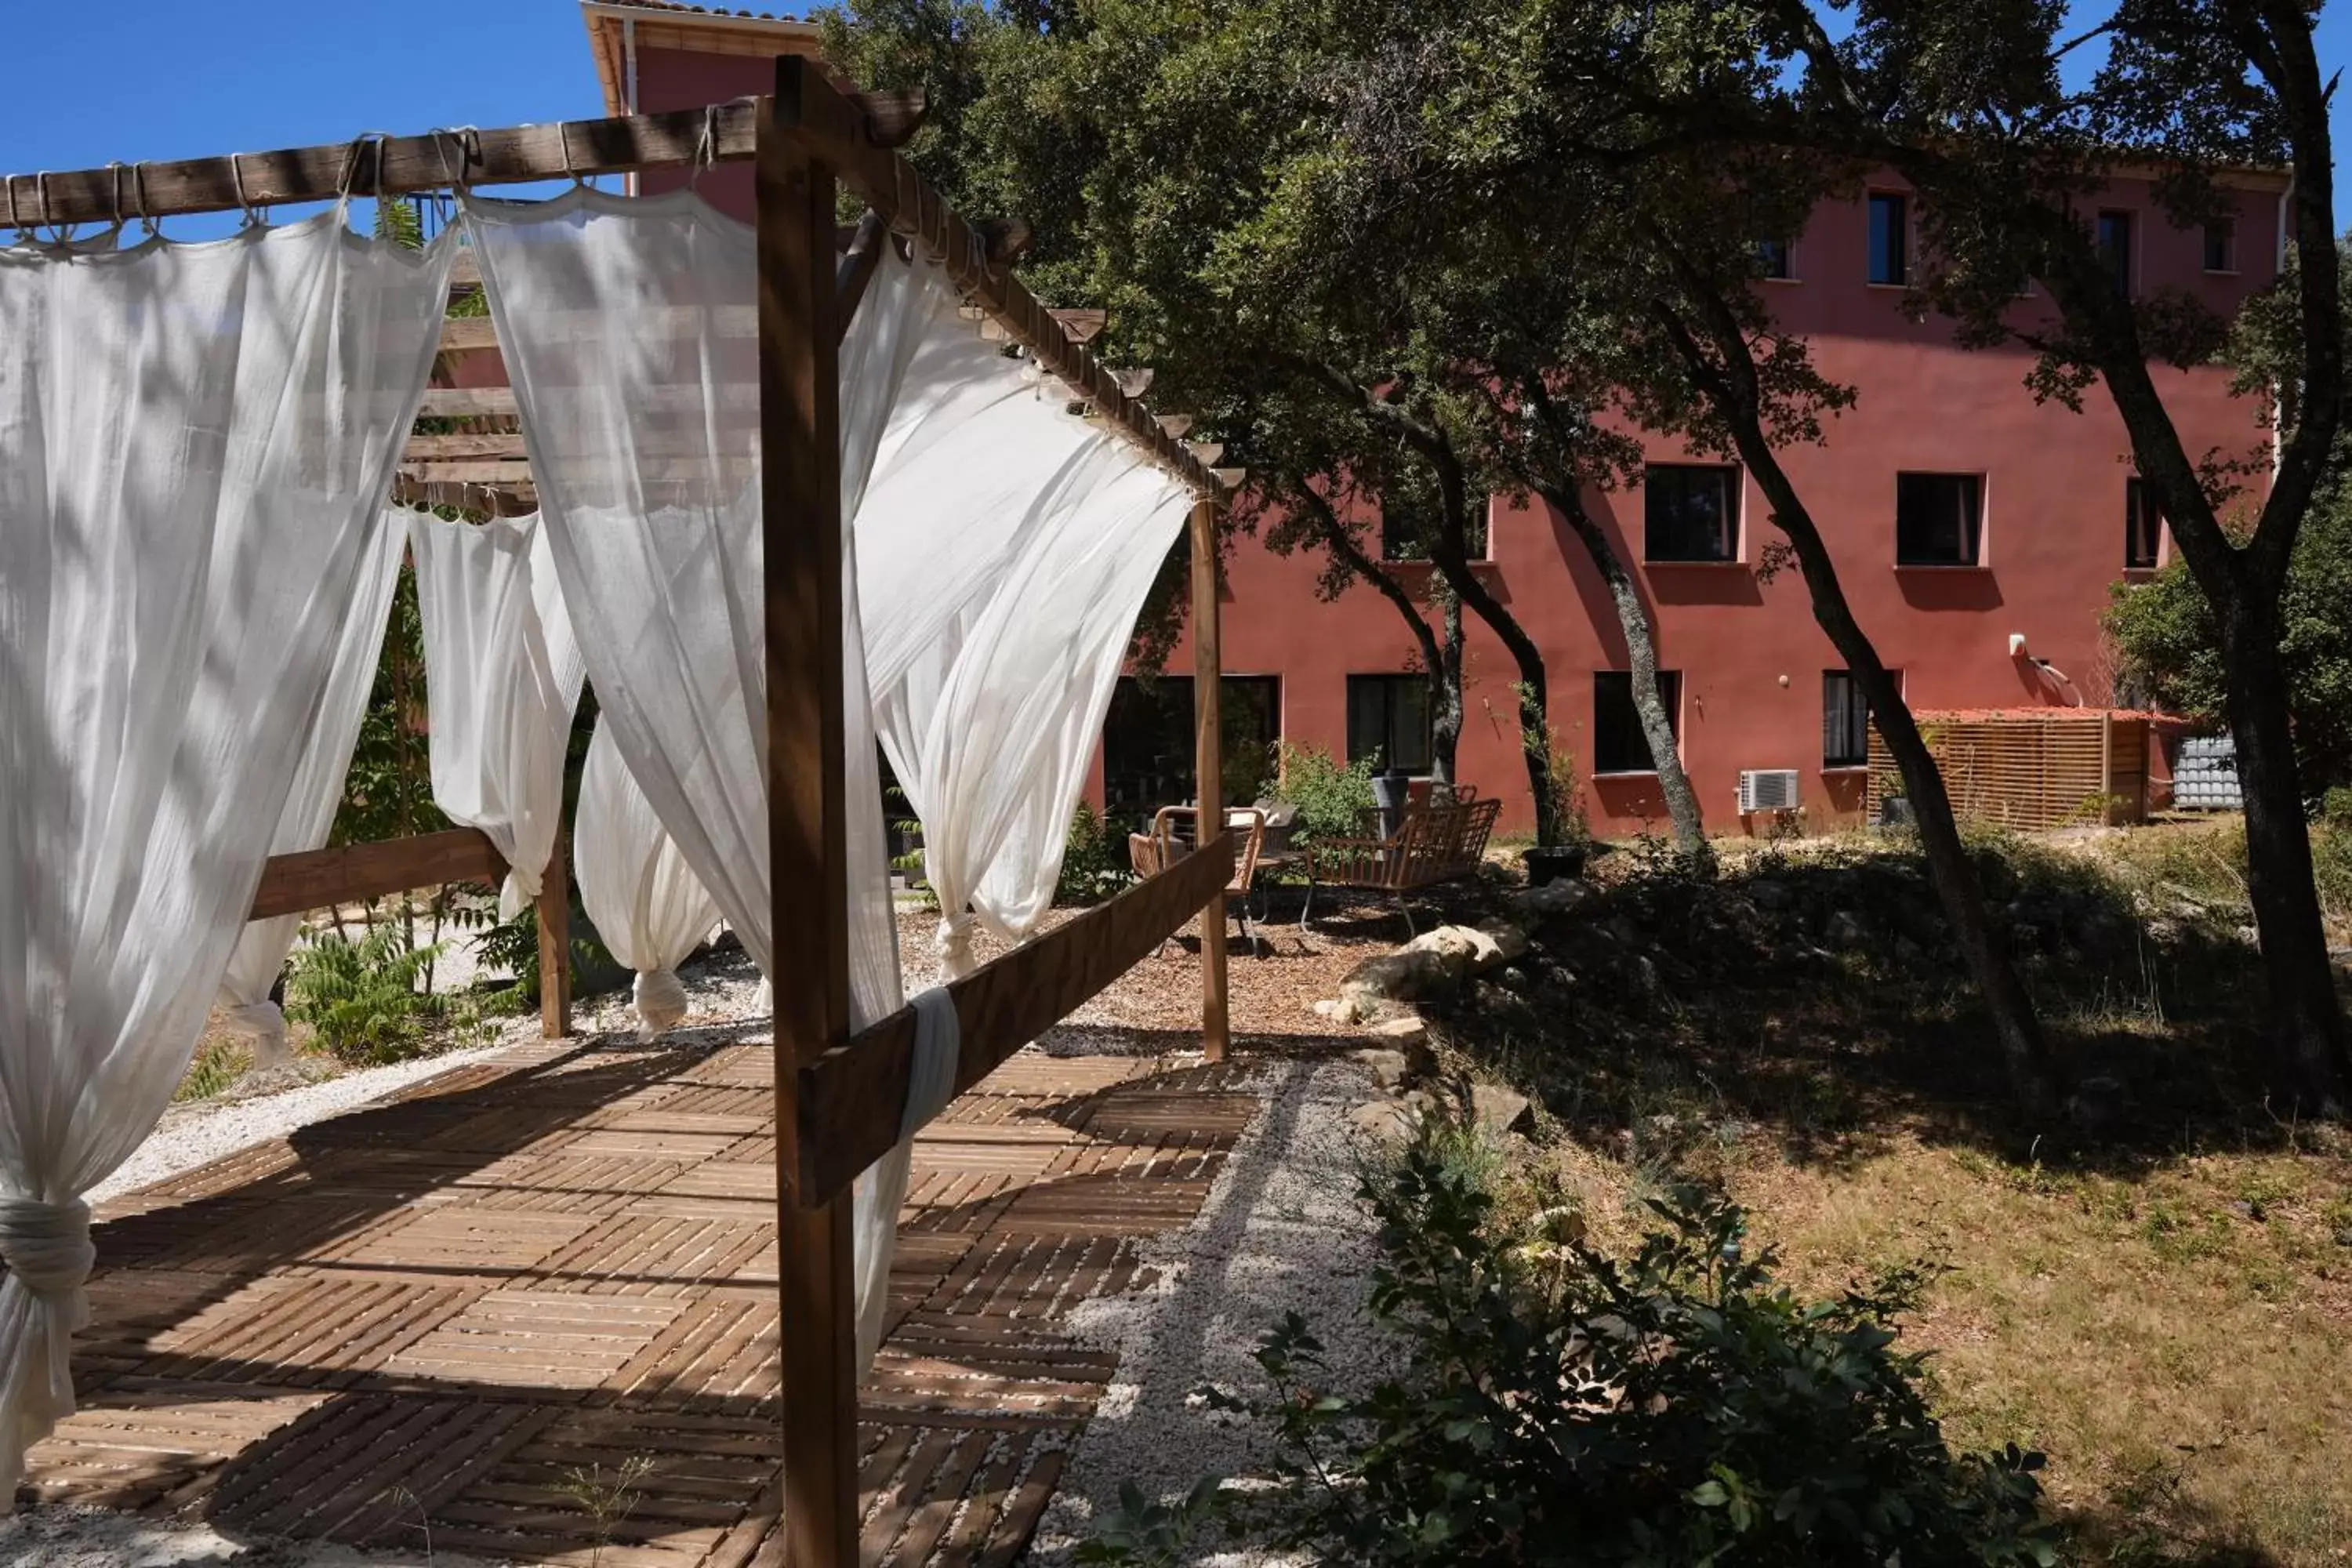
1750, 656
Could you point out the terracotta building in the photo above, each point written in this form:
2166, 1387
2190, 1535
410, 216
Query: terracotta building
1977, 530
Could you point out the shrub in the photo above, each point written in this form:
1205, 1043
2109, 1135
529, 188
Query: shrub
1089, 871
1551, 1403
512, 946
1329, 795
362, 998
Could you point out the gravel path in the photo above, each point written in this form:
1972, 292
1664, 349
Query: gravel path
94, 1538
1282, 1231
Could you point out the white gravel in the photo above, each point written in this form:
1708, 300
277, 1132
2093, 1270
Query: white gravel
1282, 1231
194, 1134
94, 1538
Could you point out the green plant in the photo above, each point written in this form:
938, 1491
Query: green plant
1144, 1534
512, 946
606, 1501
362, 997
1330, 796
1089, 873
214, 1068
1567, 798
1554, 1404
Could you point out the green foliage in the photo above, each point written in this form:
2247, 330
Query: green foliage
1553, 1404
2171, 649
1331, 796
214, 1068
512, 946
364, 998
1091, 872
388, 793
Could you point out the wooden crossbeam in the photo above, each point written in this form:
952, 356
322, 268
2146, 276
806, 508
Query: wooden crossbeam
399, 165
833, 127
851, 1098
316, 879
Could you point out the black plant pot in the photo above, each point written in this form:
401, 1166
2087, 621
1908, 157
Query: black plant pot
1553, 862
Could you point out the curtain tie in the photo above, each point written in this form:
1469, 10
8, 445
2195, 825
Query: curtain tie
47, 1245
939, 1046
660, 1002
952, 943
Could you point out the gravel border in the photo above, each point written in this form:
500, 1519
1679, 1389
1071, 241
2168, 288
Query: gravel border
1282, 1231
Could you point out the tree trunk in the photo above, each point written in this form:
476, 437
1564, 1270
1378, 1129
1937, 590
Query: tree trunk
1730, 386
1445, 689
1441, 654
1642, 655
2307, 1026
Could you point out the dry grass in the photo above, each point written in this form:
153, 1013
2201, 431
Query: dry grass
2165, 1309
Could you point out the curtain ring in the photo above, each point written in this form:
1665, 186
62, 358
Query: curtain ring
351, 163
114, 183
139, 196
14, 222
236, 177
455, 179
706, 146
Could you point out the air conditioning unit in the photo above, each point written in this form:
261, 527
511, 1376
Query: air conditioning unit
1768, 789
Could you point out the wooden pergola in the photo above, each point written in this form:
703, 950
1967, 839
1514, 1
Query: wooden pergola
838, 1095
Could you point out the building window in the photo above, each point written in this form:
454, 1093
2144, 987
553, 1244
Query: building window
1778, 258
1388, 721
1938, 520
2115, 249
2143, 526
2221, 246
1846, 721
1618, 746
1690, 512
1407, 527
1148, 742
1890, 238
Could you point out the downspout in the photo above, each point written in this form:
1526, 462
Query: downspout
629, 84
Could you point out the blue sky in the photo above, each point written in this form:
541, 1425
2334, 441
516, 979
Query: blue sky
126, 80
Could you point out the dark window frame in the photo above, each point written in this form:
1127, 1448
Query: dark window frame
1731, 481
2223, 235
1617, 737
2143, 527
1915, 527
2119, 248
1778, 259
1888, 259
1391, 685
1481, 540
1846, 721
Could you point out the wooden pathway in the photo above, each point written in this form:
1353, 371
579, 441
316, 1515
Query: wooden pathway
454, 1309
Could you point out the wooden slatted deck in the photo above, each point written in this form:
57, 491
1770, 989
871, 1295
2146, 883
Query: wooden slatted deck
447, 1308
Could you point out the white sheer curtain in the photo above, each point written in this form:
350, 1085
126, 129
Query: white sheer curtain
195, 443
318, 790
502, 673
1004, 605
630, 332
645, 902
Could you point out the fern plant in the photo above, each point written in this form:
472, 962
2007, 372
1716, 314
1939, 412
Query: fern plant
363, 1000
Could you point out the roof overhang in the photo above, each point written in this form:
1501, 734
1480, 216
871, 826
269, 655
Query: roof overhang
660, 24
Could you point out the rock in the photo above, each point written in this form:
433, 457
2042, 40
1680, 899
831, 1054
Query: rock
1499, 1111
2026, 938
1539, 904
1624, 930
2344, 1235
1510, 941
1844, 932
1401, 976
1770, 894
1329, 1007
1387, 1120
1389, 1068
1466, 946
1400, 1034
1644, 974
1512, 978
2247, 1210
1908, 954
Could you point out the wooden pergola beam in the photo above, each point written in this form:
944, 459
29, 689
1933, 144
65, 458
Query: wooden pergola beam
404, 165
834, 128
850, 1097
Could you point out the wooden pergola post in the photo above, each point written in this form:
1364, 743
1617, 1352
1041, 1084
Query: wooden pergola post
1208, 767
555, 941
800, 433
